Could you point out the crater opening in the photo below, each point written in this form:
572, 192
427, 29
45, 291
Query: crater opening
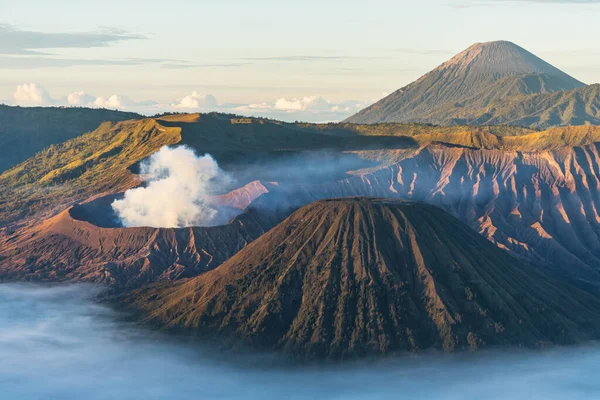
98, 212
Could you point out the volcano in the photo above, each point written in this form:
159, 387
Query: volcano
356, 276
490, 83
83, 244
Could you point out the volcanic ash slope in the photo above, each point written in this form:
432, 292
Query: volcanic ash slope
356, 276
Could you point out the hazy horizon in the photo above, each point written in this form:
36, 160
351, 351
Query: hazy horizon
283, 60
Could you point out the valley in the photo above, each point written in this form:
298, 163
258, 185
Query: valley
95, 354
532, 193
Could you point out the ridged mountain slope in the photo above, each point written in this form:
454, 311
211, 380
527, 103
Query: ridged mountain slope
543, 206
104, 161
347, 277
512, 189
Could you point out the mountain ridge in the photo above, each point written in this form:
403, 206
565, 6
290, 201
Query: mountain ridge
503, 58
27, 130
103, 161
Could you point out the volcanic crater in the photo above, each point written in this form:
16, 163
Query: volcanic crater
87, 243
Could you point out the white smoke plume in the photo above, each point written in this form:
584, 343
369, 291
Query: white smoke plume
177, 192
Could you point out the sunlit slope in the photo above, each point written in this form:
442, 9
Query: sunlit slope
347, 277
26, 130
104, 161
86, 166
540, 205
532, 193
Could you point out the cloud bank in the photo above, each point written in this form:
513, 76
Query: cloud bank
57, 343
114, 101
307, 108
33, 94
177, 192
80, 98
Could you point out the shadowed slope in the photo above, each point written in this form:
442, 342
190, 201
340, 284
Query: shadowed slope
105, 161
539, 206
348, 277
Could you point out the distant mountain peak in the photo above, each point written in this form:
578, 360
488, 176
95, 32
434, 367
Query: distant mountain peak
484, 84
503, 58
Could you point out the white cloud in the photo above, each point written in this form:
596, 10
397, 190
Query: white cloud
80, 99
114, 101
196, 100
18, 42
314, 103
308, 108
31, 94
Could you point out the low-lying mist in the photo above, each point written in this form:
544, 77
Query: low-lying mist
57, 343
177, 190
307, 167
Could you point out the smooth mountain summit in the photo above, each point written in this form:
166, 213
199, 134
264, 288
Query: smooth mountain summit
502, 59
490, 83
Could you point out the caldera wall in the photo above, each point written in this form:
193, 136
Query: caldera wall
542, 206
69, 248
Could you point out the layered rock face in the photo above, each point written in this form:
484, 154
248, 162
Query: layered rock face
348, 277
534, 194
541, 206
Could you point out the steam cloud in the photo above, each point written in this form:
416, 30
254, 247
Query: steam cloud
57, 343
177, 191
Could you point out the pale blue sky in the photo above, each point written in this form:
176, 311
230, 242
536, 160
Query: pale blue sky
256, 52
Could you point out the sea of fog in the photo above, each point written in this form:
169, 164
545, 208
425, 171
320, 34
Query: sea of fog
57, 343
